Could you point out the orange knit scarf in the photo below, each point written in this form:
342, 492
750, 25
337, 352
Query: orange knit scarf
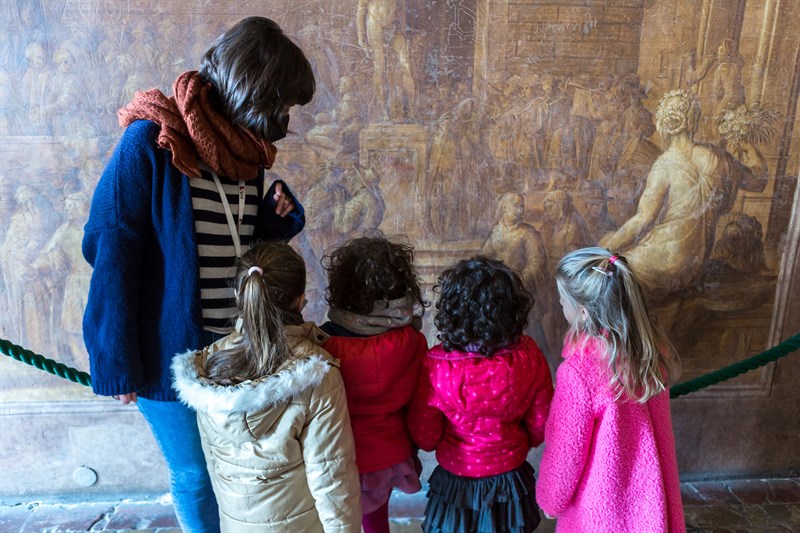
193, 131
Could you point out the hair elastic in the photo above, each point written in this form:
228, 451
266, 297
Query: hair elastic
603, 271
613, 259
255, 269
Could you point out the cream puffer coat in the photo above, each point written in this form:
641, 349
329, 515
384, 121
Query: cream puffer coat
279, 449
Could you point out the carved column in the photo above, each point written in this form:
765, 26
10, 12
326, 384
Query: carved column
782, 209
766, 42
490, 44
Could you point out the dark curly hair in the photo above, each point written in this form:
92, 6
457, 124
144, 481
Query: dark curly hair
483, 304
370, 269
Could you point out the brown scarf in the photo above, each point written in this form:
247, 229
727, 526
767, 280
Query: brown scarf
193, 131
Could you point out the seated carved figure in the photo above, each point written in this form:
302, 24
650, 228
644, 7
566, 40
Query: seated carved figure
690, 186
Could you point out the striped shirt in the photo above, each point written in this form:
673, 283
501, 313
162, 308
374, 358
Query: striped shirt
215, 247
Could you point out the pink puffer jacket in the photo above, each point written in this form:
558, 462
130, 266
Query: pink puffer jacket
481, 414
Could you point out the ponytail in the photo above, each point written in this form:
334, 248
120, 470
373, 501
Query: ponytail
262, 326
269, 282
641, 359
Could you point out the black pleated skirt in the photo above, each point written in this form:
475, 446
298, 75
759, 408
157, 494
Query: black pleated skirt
496, 504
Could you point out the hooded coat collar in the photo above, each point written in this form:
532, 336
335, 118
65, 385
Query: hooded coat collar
306, 369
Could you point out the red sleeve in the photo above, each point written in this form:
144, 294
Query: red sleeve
536, 417
425, 420
416, 368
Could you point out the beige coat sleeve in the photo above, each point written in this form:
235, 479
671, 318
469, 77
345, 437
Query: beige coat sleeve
330, 459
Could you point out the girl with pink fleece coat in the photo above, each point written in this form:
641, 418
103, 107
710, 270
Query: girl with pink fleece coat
609, 462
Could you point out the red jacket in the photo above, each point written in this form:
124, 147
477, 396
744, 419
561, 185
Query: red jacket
482, 414
379, 374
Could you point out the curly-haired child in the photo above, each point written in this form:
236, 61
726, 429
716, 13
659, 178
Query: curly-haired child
481, 402
374, 318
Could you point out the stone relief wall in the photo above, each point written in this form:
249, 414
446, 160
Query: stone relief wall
518, 129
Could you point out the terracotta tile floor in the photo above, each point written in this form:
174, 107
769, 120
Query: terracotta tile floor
732, 506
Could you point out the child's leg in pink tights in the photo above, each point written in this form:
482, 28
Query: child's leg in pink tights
377, 521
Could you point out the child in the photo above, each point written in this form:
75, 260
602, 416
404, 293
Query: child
609, 461
481, 402
271, 408
374, 294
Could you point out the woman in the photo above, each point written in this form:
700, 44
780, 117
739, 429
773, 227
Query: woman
180, 200
688, 189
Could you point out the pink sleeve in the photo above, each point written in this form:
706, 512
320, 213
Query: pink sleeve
665, 441
425, 420
568, 435
536, 417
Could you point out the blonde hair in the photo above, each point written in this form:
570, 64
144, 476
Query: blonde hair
642, 360
270, 279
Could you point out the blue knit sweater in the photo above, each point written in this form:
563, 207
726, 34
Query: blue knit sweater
144, 297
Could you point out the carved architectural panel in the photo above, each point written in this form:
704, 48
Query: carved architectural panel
665, 129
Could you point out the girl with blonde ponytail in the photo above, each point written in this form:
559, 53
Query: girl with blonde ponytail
609, 462
271, 408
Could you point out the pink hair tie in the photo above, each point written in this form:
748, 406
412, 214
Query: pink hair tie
612, 259
255, 269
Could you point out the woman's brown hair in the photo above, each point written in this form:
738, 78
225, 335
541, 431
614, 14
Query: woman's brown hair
266, 300
258, 73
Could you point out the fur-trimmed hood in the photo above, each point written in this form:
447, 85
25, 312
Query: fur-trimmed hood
279, 449
307, 369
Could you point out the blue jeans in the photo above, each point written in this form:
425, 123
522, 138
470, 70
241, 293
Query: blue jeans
175, 428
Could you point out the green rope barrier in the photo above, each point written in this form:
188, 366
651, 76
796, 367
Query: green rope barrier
773, 354
43, 363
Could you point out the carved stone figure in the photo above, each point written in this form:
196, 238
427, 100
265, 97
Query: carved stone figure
516, 242
28, 231
35, 88
453, 150
690, 186
591, 200
67, 97
740, 248
62, 256
521, 247
378, 32
726, 84
564, 229
726, 88
360, 206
